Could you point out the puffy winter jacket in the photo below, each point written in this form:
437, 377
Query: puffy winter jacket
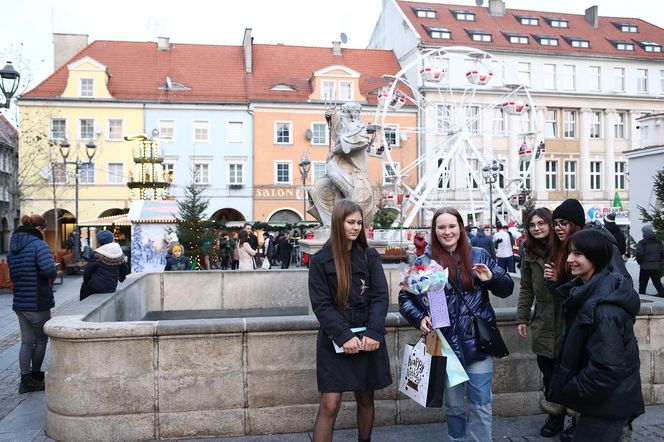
461, 334
484, 241
31, 269
597, 373
650, 252
102, 273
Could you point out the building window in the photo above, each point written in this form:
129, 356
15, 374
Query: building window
518, 39
619, 127
425, 13
524, 72
201, 173
551, 124
624, 27
569, 124
480, 37
568, 74
620, 175
548, 41
87, 87
619, 79
585, 44
201, 131
661, 81
319, 134
115, 173
169, 172
549, 76
282, 173
523, 173
558, 23
235, 173
440, 33
391, 132
59, 173
473, 172
87, 126
651, 46
445, 177
390, 172
596, 125
642, 81
498, 121
464, 16
329, 92
473, 119
551, 175
115, 131
345, 90
59, 128
595, 175
235, 132
623, 46
443, 118
570, 175
529, 21
595, 78
86, 173
282, 132
319, 170
167, 130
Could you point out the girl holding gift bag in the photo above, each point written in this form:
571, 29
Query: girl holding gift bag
349, 296
474, 273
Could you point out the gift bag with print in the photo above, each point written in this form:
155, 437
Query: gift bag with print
422, 375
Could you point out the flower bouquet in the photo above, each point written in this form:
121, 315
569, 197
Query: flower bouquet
428, 283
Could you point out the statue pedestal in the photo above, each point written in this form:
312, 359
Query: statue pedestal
322, 234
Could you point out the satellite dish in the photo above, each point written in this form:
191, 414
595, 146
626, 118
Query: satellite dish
479, 2
344, 37
309, 134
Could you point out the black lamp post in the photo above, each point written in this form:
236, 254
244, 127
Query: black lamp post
65, 150
490, 173
9, 79
305, 165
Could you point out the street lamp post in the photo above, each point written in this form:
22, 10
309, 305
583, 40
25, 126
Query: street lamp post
305, 165
9, 79
490, 173
65, 150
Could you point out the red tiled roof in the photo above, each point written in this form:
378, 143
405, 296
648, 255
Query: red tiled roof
8, 133
138, 70
295, 65
599, 38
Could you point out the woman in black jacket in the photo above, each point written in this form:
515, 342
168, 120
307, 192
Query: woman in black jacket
349, 296
105, 268
597, 373
649, 255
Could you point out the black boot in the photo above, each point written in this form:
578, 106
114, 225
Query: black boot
38, 380
568, 434
27, 384
553, 426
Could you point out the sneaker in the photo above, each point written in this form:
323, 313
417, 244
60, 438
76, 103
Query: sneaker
553, 426
568, 434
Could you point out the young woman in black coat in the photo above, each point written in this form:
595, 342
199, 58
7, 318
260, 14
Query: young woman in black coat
597, 373
348, 290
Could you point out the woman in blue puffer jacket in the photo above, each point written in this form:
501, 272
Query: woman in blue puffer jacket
475, 273
32, 270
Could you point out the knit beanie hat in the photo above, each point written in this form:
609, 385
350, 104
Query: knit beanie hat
610, 218
570, 210
648, 231
105, 237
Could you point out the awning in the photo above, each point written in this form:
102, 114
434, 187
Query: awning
106, 221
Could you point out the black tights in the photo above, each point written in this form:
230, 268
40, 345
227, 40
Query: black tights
329, 409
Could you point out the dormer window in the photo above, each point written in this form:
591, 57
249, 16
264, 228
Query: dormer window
479, 35
557, 22
87, 87
464, 15
577, 42
547, 41
516, 38
650, 46
282, 87
439, 33
627, 27
622, 45
528, 21
424, 12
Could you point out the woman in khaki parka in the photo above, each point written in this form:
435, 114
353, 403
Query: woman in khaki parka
547, 321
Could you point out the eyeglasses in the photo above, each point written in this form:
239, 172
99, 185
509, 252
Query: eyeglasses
539, 225
562, 224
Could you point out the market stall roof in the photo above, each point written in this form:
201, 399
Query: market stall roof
106, 221
153, 211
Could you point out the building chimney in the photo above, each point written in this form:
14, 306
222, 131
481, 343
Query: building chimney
592, 16
65, 46
163, 43
336, 48
247, 43
497, 8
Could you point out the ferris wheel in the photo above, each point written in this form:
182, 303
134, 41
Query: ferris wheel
475, 125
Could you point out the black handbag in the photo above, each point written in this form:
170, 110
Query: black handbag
489, 339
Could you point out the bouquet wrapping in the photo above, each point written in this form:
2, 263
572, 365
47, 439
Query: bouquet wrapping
428, 283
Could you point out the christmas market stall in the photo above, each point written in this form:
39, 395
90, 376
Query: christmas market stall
152, 222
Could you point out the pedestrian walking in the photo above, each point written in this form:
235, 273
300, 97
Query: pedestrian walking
234, 243
484, 241
269, 248
472, 274
547, 322
349, 296
597, 373
504, 251
246, 252
177, 260
224, 250
32, 271
285, 250
649, 256
106, 267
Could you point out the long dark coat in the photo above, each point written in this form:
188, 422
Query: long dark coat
367, 305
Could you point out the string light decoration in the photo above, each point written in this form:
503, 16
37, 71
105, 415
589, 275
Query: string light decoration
148, 181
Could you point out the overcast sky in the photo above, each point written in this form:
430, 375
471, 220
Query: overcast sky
28, 25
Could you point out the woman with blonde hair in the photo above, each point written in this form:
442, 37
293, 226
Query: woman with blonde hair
349, 296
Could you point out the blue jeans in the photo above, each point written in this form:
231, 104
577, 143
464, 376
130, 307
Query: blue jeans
477, 426
507, 264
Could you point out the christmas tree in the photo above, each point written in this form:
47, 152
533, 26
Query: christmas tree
137, 249
192, 228
656, 217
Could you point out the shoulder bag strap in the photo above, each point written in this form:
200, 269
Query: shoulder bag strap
463, 299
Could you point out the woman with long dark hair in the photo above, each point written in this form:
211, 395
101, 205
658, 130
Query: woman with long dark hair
246, 252
349, 296
472, 274
32, 270
597, 372
547, 321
